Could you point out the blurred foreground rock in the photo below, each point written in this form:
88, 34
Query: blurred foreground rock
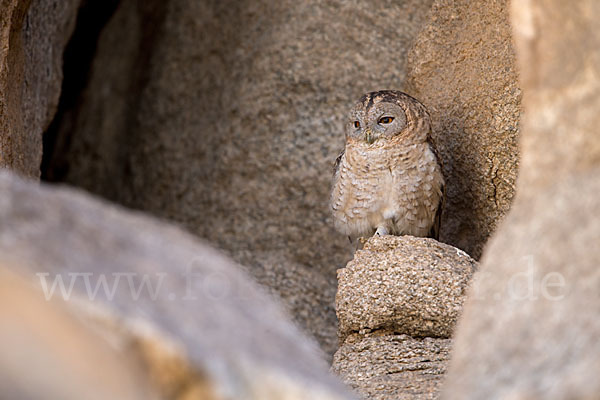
196, 324
47, 353
463, 68
531, 323
397, 302
226, 117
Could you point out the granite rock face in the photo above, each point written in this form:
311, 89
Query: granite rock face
226, 117
383, 366
200, 327
409, 285
530, 326
462, 67
397, 303
33, 35
13, 145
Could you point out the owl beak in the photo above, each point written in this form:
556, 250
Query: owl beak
369, 136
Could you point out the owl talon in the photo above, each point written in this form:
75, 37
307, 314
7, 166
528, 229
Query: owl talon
381, 231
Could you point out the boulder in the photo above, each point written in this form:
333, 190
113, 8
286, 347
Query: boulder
397, 303
12, 140
559, 70
33, 35
383, 365
226, 117
462, 67
530, 325
408, 285
195, 322
44, 346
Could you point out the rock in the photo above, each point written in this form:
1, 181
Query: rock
43, 346
530, 326
408, 285
462, 67
226, 117
397, 303
188, 314
389, 366
561, 85
11, 74
33, 35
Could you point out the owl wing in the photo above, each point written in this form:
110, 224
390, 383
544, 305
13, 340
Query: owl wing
434, 233
336, 168
336, 165
435, 229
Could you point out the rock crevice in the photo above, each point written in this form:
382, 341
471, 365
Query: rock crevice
463, 68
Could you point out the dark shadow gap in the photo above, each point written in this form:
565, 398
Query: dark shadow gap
78, 57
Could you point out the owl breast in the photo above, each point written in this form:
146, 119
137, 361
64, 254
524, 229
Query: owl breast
398, 188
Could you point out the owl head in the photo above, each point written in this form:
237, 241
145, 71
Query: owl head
385, 115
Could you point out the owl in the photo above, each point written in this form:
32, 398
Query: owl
388, 178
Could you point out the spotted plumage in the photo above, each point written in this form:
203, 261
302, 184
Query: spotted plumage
388, 178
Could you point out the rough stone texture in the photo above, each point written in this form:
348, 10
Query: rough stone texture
405, 284
383, 366
189, 314
33, 35
462, 67
226, 116
397, 303
530, 327
11, 76
43, 346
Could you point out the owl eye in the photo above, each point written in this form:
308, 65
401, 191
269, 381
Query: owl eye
385, 120
356, 124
